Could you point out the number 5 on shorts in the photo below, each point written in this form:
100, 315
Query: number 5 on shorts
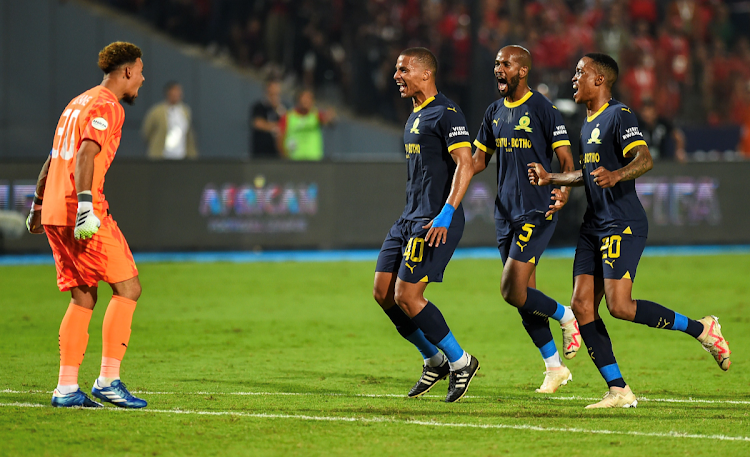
528, 228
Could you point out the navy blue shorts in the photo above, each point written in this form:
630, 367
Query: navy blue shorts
524, 240
609, 255
406, 252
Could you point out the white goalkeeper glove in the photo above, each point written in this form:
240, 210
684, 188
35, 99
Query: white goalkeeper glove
87, 224
34, 221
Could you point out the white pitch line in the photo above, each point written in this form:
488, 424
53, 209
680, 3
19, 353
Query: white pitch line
334, 394
534, 428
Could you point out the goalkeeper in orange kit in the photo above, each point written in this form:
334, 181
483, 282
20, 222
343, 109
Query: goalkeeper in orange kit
87, 245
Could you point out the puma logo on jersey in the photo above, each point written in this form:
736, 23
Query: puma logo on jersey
611, 263
411, 268
452, 109
626, 109
494, 121
521, 245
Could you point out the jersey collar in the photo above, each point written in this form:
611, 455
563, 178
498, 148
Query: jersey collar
108, 93
519, 102
424, 103
593, 116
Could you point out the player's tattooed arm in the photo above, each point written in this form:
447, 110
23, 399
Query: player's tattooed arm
538, 176
641, 163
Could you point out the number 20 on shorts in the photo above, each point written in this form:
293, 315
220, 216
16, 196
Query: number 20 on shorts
611, 247
414, 249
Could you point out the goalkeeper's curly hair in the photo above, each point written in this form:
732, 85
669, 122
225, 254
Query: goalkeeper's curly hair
117, 54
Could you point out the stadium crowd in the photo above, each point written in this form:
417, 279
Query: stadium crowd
691, 58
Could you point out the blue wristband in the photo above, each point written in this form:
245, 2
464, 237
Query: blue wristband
444, 218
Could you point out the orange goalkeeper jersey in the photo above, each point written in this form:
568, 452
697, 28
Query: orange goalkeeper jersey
95, 115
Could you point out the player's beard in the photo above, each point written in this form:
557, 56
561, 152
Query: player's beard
129, 99
513, 83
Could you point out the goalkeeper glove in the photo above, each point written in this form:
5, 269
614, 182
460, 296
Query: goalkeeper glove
87, 224
34, 221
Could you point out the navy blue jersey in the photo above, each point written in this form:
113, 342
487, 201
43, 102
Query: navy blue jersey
606, 137
434, 129
525, 131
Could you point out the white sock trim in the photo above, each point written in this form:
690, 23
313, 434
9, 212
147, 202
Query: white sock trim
568, 316
65, 390
460, 363
436, 360
105, 382
553, 361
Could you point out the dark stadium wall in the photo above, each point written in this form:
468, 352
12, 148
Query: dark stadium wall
48, 53
217, 205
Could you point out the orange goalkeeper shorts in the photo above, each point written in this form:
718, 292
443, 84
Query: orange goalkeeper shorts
104, 257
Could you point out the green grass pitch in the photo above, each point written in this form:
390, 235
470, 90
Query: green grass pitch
297, 359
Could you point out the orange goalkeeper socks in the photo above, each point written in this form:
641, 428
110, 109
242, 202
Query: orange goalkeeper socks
73, 337
116, 335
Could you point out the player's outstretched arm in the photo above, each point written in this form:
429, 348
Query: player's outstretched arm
641, 163
538, 176
87, 224
34, 220
438, 227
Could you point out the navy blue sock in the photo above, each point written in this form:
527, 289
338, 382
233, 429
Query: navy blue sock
538, 329
541, 305
431, 321
656, 316
409, 330
596, 339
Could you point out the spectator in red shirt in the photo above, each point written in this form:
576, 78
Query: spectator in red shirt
640, 82
643, 10
674, 50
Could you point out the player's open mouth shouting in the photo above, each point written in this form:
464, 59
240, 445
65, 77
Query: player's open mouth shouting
401, 86
502, 85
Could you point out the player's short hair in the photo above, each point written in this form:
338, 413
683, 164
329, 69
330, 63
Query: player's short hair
117, 54
606, 66
423, 56
170, 85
